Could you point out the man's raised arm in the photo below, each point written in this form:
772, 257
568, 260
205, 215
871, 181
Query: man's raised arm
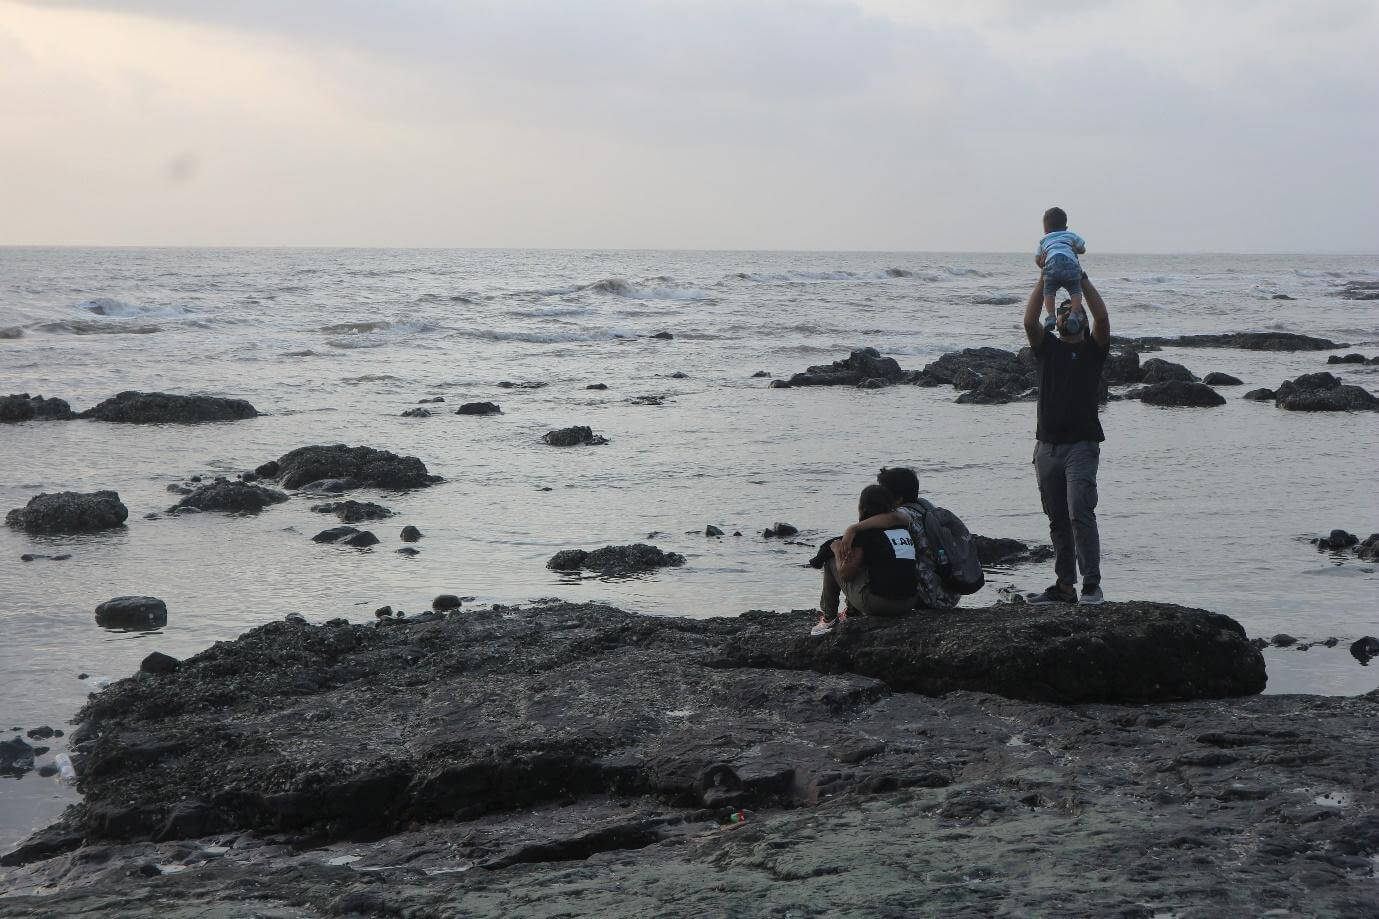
1033, 330
1101, 322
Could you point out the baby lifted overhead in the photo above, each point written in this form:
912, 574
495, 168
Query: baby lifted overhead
1058, 252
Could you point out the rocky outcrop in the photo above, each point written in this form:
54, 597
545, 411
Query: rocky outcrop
1006, 552
1247, 341
1351, 359
353, 511
576, 436
132, 407
1121, 368
347, 536
417, 412
1217, 378
140, 613
1323, 392
231, 497
365, 466
1260, 395
1360, 290
1178, 393
1158, 370
479, 408
615, 561
24, 407
859, 366
69, 512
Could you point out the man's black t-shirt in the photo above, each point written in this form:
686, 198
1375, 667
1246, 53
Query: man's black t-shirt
1069, 383
890, 559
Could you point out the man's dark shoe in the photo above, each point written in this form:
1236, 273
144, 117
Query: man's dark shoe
1056, 594
1091, 595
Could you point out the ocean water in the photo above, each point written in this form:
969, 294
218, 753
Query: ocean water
1205, 507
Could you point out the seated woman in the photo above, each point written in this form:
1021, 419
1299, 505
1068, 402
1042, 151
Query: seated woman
878, 576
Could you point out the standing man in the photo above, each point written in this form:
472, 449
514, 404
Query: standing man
1068, 439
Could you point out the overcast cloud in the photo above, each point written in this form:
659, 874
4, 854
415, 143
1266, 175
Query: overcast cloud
1221, 126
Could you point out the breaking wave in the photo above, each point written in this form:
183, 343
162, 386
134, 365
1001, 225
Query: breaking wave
667, 290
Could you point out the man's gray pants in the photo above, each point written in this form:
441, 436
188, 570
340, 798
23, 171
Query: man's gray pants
1067, 487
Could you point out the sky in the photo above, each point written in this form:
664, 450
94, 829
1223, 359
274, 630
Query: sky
1165, 126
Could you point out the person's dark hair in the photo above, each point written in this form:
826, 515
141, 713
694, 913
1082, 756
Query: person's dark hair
902, 482
875, 499
1055, 218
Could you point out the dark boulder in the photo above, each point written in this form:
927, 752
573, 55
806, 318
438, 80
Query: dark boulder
329, 486
1260, 395
712, 530
1246, 341
353, 511
268, 470
1360, 290
1158, 370
140, 613
1121, 368
1178, 393
1323, 392
417, 413
663, 336
1365, 649
360, 540
1217, 378
1368, 549
526, 384
132, 407
410, 534
780, 530
862, 364
159, 663
365, 465
232, 497
1346, 359
1336, 540
579, 435
431, 401
479, 408
335, 534
615, 561
445, 602
69, 512
16, 758
993, 371
1005, 551
23, 407
597, 386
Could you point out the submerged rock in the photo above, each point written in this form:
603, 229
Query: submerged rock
1158, 370
1178, 393
862, 364
335, 534
131, 407
1346, 359
353, 511
410, 534
132, 613
1247, 341
366, 466
1360, 290
1217, 378
1005, 551
417, 413
615, 561
1323, 392
16, 758
232, 497
1121, 368
479, 408
159, 663
69, 512
24, 407
579, 435
1260, 395
780, 530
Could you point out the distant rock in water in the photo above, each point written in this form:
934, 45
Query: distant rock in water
479, 408
1352, 359
1246, 341
417, 413
132, 407
132, 613
1217, 378
780, 531
998, 300
1323, 392
1360, 290
366, 466
579, 435
69, 512
1178, 393
16, 758
24, 407
1158, 370
410, 534
353, 511
1004, 551
527, 384
1259, 395
233, 497
1121, 368
862, 364
986, 376
615, 561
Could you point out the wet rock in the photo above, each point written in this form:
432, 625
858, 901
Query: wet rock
1260, 395
1005, 551
131, 407
679, 375
417, 413
999, 300
646, 400
23, 407
360, 540
365, 465
479, 408
159, 663
599, 386
1346, 359
712, 530
1158, 370
1365, 649
780, 530
1283, 640
43, 732
445, 602
761, 374
530, 384
874, 383
408, 550
1282, 297
579, 435
269, 470
16, 758
141, 613
1323, 392
988, 376
351, 511
615, 561
431, 401
1247, 341
1178, 393
1121, 368
1368, 549
69, 512
31, 557
335, 534
231, 497
410, 534
663, 336
1360, 290
1336, 539
862, 364
1217, 378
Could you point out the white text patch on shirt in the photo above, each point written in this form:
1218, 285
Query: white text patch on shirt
902, 543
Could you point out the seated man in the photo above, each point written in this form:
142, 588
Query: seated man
904, 484
877, 574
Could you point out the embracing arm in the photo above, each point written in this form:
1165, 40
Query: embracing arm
846, 562
1033, 330
1101, 322
875, 522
